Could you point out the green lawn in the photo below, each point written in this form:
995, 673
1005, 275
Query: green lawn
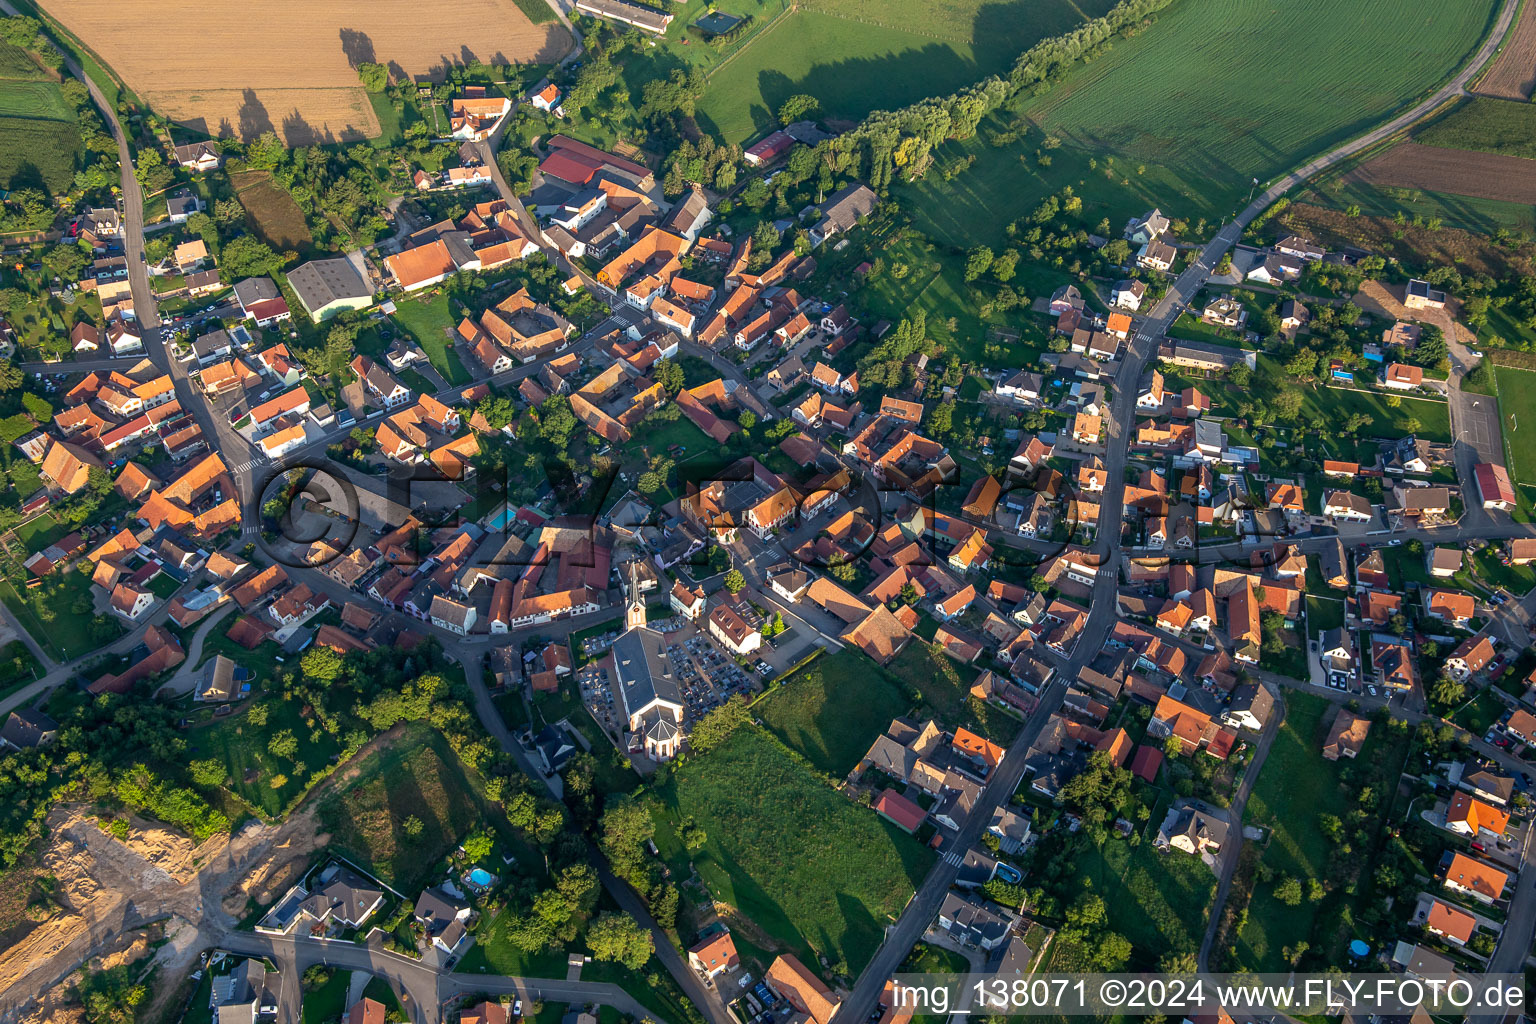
1295, 787
327, 1004
1517, 411
36, 534
1323, 613
418, 776
1192, 328
1517, 579
855, 56
1336, 404
427, 321
1404, 567
814, 870
832, 710
937, 683
916, 274
1166, 120
1159, 901
495, 953
57, 614
1480, 712
268, 783
657, 435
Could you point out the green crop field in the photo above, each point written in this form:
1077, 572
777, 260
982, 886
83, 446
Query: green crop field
833, 710
38, 139
813, 869
1517, 414
861, 55
39, 100
1189, 111
1485, 124
17, 66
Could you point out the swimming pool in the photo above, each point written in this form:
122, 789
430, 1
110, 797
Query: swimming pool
503, 517
481, 877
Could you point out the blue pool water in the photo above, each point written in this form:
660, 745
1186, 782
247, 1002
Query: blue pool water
481, 877
500, 522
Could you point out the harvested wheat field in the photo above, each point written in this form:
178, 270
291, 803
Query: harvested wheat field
1514, 72
285, 65
1463, 172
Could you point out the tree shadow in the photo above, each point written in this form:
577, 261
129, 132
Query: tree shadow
357, 47
253, 117
297, 132
28, 175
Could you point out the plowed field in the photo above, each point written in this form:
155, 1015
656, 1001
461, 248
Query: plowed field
1514, 72
1463, 172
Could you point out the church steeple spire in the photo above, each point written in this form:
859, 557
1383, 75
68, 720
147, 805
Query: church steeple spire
634, 613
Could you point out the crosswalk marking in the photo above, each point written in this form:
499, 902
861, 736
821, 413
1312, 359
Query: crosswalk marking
953, 859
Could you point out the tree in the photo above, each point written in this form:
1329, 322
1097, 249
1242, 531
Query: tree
1005, 265
669, 375
977, 262
1178, 963
412, 826
711, 730
735, 581
283, 744
65, 261
247, 256
478, 847
1289, 892
1113, 952
375, 77
208, 773
1086, 913
747, 419
797, 108
1238, 375
1447, 692
619, 937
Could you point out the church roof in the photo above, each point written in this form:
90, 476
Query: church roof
644, 674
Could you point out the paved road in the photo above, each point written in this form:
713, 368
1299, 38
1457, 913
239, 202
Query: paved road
706, 999
1232, 849
1102, 606
219, 436
424, 991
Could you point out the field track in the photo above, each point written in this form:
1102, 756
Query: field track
1463, 172
1514, 72
286, 65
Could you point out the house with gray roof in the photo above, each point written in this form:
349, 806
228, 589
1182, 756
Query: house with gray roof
327, 287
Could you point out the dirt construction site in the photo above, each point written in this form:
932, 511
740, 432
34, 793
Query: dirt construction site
107, 889
289, 66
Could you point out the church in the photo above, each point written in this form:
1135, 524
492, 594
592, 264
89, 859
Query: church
645, 681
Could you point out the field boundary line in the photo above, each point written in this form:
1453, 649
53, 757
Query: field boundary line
751, 39
1499, 404
895, 28
1476, 81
